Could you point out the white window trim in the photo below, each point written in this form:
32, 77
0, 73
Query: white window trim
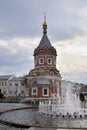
50, 60
40, 60
47, 92
34, 94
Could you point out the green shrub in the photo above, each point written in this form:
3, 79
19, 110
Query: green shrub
1, 95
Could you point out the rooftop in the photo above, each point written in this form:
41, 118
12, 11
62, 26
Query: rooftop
42, 80
44, 42
6, 77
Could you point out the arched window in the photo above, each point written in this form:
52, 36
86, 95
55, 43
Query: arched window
34, 91
41, 60
45, 91
49, 61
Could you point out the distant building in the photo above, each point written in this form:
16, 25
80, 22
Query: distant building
44, 80
4, 84
74, 86
83, 91
12, 86
17, 87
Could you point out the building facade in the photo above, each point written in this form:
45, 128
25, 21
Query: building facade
17, 87
44, 80
12, 86
4, 84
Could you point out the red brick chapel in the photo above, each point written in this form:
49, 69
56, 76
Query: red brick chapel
44, 80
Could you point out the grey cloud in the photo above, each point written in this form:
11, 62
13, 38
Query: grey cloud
16, 62
65, 34
24, 18
14, 55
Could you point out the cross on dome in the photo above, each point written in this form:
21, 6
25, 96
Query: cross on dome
44, 24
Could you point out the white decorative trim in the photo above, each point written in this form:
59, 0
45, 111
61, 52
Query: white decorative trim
47, 91
34, 88
48, 60
41, 62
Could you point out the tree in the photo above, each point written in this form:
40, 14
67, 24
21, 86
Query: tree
1, 94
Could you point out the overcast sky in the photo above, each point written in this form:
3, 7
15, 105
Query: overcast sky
21, 31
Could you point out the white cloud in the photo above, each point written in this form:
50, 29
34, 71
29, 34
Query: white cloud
72, 55
75, 77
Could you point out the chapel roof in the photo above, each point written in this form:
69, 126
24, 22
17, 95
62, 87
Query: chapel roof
43, 80
6, 77
44, 42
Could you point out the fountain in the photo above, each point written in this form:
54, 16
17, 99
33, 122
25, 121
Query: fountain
67, 108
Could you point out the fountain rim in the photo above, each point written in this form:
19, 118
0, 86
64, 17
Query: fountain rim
30, 125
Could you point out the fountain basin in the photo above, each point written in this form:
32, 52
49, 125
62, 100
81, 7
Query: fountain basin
30, 117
